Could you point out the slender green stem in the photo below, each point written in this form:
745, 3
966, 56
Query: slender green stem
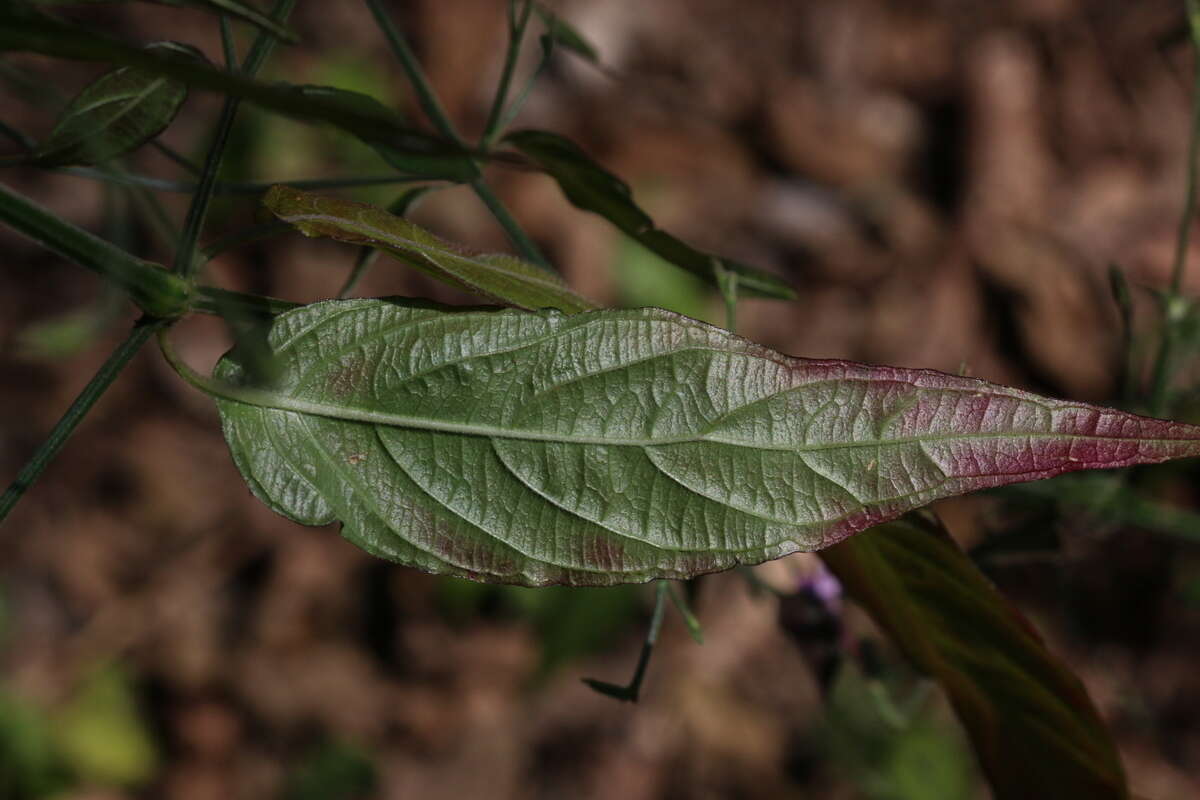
427, 98
367, 256
185, 261
438, 116
685, 611
515, 108
228, 46
227, 303
514, 230
75, 414
237, 188
156, 291
21, 139
1175, 307
175, 156
516, 32
632, 690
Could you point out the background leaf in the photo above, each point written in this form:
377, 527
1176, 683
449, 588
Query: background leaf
368, 119
117, 113
495, 276
565, 35
618, 446
234, 8
593, 188
1032, 723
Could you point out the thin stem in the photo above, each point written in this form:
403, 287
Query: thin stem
185, 261
514, 230
234, 187
156, 291
366, 258
75, 414
227, 43
438, 116
18, 137
685, 611
1189, 205
516, 32
175, 156
427, 98
1174, 308
630, 691
227, 303
523, 95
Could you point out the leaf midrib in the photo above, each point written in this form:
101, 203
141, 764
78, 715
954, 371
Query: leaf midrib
267, 399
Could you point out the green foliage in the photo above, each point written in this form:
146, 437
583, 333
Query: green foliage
586, 447
234, 8
30, 766
119, 112
101, 734
1030, 719
496, 276
591, 187
619, 446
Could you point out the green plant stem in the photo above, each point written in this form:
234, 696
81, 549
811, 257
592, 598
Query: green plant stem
632, 690
426, 97
234, 187
175, 156
75, 414
367, 256
514, 230
441, 120
155, 290
186, 262
515, 107
225, 303
516, 32
1174, 307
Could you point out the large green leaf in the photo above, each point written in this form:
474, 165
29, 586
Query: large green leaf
118, 112
234, 8
495, 275
593, 188
1033, 726
618, 446
403, 146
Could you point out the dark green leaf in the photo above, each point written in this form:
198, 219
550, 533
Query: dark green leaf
234, 8
565, 35
117, 113
363, 116
591, 187
1032, 723
495, 276
618, 446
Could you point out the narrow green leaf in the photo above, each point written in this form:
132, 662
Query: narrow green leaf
117, 113
495, 276
1032, 723
619, 446
234, 8
591, 187
382, 128
565, 35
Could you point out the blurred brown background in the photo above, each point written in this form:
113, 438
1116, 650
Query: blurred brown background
945, 181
